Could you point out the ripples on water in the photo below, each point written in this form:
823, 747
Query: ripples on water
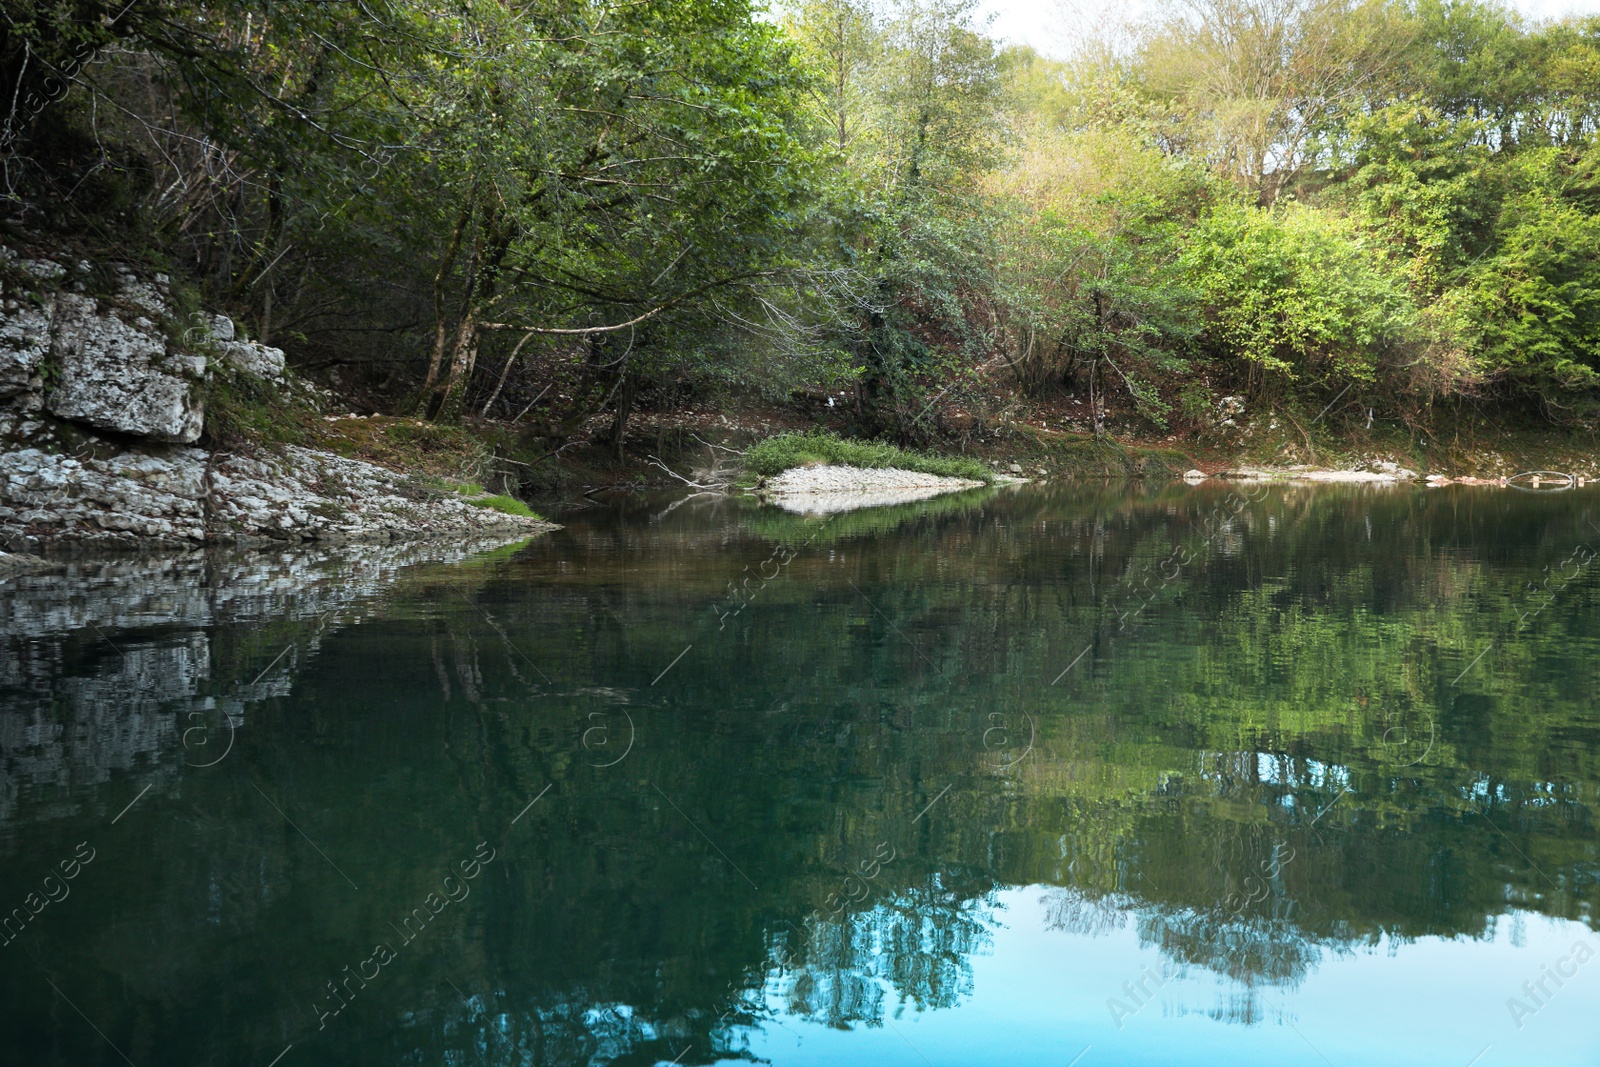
1135, 776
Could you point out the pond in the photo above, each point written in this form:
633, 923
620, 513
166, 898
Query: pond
1042, 775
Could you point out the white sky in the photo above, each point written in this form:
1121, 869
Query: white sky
1048, 24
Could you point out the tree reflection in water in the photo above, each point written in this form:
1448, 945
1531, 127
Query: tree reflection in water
1272, 768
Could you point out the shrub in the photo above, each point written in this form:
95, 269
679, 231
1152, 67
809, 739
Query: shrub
1197, 402
1299, 291
1534, 309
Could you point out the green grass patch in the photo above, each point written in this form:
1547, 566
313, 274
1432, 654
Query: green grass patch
508, 504
786, 451
430, 486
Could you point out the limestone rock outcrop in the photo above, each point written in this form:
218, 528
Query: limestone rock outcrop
102, 407
121, 362
24, 342
180, 496
263, 361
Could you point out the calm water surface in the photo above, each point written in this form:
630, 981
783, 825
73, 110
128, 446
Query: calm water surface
1044, 776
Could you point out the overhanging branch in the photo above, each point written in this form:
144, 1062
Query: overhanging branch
584, 331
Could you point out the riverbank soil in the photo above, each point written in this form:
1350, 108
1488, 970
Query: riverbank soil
690, 446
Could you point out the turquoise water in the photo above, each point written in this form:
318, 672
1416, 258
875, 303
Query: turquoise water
1048, 775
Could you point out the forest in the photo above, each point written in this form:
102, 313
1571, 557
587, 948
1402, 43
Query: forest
561, 212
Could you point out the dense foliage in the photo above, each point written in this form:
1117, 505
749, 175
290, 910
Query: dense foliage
554, 208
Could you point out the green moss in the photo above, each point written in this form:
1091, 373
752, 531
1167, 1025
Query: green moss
778, 454
242, 409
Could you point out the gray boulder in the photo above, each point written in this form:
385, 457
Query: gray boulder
261, 360
115, 372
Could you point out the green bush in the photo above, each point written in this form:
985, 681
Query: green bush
1533, 308
778, 454
1197, 402
1297, 290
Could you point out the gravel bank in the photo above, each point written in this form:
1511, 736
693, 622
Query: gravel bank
1378, 473
824, 490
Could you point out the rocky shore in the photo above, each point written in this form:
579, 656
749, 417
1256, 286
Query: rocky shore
1387, 472
183, 497
102, 413
1382, 472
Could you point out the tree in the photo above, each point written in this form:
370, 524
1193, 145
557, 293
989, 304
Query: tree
839, 40
904, 214
604, 170
1255, 81
1089, 259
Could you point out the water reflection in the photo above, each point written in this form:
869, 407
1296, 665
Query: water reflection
983, 780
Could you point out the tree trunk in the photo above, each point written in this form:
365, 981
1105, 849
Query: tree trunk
275, 221
439, 328
1096, 379
619, 421
1095, 389
463, 357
